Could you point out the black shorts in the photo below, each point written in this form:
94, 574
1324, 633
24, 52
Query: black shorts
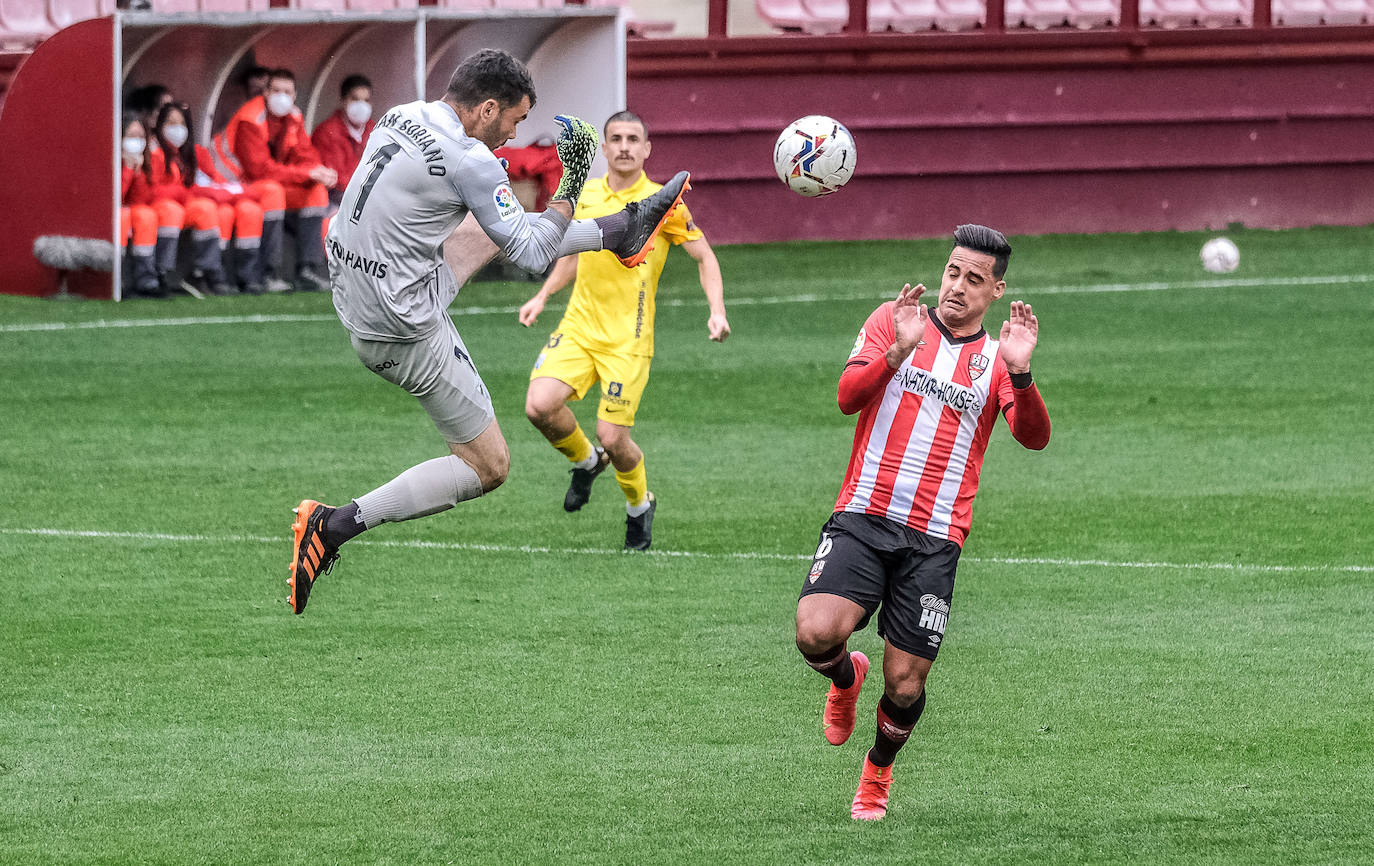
875, 562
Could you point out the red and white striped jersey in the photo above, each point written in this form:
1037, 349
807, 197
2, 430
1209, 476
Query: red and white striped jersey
919, 444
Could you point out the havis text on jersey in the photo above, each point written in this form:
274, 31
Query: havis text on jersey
960, 398
350, 259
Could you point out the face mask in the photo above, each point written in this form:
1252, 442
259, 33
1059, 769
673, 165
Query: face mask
279, 104
134, 146
358, 112
175, 135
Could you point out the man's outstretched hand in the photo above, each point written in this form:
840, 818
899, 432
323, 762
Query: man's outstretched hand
1018, 338
909, 317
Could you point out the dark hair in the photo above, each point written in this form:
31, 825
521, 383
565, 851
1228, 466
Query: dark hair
253, 72
490, 74
353, 81
281, 73
982, 239
626, 116
249, 74
128, 117
184, 156
145, 99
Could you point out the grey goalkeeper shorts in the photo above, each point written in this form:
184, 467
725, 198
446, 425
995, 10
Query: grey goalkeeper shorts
440, 373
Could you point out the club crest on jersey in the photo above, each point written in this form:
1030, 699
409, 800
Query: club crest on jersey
977, 364
506, 204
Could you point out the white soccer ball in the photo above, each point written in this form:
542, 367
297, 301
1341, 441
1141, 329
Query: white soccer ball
815, 155
1220, 256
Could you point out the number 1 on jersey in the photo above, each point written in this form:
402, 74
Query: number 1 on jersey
378, 161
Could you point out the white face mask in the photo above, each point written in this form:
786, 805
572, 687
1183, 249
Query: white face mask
358, 112
280, 104
176, 135
134, 146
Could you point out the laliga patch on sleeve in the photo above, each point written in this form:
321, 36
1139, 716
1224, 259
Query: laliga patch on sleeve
858, 344
507, 206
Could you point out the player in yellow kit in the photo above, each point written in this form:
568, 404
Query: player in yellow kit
607, 333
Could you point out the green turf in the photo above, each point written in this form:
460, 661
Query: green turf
1159, 651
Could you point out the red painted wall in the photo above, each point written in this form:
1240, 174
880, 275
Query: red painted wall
57, 133
1030, 134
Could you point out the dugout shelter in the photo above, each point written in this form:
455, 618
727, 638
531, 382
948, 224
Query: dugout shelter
59, 135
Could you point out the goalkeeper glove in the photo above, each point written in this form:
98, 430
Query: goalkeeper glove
577, 142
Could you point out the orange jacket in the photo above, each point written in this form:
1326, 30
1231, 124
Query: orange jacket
133, 186
338, 149
264, 147
168, 181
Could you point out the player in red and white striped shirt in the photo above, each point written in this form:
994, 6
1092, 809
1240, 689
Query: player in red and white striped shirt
928, 386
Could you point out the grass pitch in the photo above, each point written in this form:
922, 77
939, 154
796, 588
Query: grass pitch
1160, 648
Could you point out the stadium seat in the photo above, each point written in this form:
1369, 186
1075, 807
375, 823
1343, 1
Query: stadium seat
634, 25
234, 5
1170, 14
960, 14
23, 23
1039, 14
791, 15
379, 5
823, 16
913, 16
1088, 14
1226, 13
1348, 12
64, 13
1299, 13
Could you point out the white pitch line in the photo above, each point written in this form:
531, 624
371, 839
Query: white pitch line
685, 554
745, 301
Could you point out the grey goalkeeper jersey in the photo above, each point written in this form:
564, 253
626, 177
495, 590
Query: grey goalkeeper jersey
419, 177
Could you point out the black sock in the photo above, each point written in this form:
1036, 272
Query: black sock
613, 229
342, 525
894, 727
834, 663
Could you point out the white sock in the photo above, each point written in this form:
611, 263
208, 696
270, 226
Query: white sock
582, 236
433, 486
591, 461
636, 510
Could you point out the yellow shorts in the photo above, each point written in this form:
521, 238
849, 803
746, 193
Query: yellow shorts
622, 375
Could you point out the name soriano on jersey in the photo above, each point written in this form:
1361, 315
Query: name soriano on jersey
421, 135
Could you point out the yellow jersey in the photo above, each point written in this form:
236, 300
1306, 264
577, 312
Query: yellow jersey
612, 306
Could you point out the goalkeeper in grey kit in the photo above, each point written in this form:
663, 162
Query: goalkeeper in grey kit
428, 206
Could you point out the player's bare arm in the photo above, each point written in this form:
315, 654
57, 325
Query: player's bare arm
1018, 338
564, 272
708, 271
909, 318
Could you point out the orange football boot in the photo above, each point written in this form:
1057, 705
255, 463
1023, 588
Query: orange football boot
870, 801
312, 555
840, 703
646, 217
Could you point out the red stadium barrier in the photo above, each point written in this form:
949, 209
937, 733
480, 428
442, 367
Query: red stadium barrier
1136, 127
1130, 129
